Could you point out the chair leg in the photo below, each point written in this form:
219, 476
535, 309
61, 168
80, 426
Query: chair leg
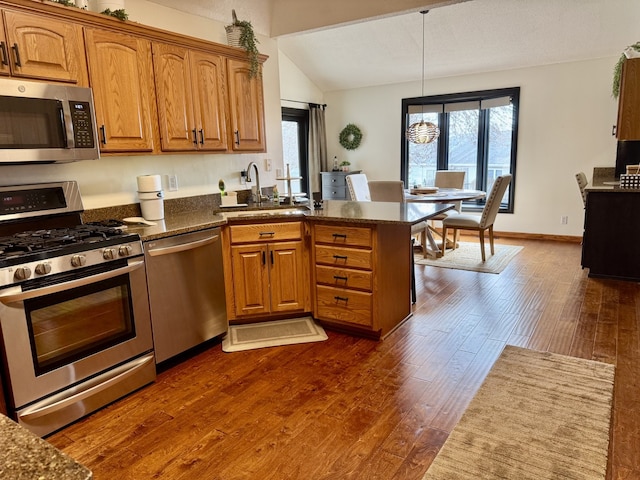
444, 240
482, 244
491, 239
413, 275
455, 238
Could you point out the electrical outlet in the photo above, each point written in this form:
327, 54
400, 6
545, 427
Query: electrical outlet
267, 164
243, 177
564, 220
173, 183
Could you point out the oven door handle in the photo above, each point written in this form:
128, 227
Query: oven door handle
156, 252
19, 296
58, 402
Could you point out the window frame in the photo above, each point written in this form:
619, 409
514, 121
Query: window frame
301, 117
483, 134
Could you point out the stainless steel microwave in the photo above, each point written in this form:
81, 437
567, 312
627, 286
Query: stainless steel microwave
46, 123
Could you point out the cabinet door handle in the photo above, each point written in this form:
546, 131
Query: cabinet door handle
264, 234
271, 254
341, 299
237, 134
16, 52
264, 258
103, 130
338, 277
5, 57
201, 136
340, 257
195, 136
339, 235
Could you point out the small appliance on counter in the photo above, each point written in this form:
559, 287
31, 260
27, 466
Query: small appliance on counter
151, 197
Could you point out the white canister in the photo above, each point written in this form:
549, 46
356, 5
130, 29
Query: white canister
149, 183
152, 205
102, 5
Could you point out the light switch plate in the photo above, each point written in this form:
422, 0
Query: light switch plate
173, 183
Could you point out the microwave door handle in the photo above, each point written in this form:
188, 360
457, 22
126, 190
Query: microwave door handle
16, 295
64, 126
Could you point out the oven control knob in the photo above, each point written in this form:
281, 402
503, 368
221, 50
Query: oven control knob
43, 268
22, 273
78, 260
125, 250
109, 253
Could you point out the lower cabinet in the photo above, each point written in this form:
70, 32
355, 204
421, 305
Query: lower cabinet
362, 276
269, 266
612, 235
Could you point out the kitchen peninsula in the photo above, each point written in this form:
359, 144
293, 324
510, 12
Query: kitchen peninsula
611, 231
350, 262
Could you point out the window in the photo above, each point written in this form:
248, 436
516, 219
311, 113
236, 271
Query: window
478, 134
295, 141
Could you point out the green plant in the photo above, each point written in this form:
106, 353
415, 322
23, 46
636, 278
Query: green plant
120, 14
345, 163
248, 41
66, 3
617, 71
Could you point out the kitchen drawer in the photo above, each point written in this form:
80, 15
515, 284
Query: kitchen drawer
265, 232
343, 257
344, 278
332, 192
344, 305
341, 235
334, 179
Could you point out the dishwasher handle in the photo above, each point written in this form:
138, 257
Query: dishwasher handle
156, 252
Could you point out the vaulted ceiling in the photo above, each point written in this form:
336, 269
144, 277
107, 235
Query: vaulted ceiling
343, 44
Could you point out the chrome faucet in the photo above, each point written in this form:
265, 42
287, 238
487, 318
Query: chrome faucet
258, 197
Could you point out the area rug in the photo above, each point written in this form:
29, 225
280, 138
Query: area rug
272, 334
537, 416
467, 257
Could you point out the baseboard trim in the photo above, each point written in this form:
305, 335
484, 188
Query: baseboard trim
538, 236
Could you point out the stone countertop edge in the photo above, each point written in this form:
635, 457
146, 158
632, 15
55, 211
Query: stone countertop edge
202, 215
24, 455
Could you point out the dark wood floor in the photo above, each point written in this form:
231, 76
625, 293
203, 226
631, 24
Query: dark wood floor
352, 408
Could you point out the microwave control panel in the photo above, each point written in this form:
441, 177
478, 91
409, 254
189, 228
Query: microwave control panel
82, 125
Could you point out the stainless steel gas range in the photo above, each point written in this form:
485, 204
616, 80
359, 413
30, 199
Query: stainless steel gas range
74, 312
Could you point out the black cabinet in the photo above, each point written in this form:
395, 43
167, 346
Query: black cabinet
611, 243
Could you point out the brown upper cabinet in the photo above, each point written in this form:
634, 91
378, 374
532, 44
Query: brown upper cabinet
246, 108
629, 101
191, 103
41, 48
121, 72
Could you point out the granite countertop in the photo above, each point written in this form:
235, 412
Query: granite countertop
25, 456
333, 210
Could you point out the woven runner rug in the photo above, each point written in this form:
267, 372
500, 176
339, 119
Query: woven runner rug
467, 257
537, 416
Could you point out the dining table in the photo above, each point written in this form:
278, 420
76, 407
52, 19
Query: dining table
440, 195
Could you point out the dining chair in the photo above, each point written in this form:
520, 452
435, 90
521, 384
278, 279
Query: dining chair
393, 191
582, 183
358, 187
484, 221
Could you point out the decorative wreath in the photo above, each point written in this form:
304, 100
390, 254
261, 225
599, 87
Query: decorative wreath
350, 137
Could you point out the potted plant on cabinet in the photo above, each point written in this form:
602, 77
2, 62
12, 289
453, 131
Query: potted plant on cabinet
240, 34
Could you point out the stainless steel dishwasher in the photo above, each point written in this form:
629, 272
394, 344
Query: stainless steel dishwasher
186, 291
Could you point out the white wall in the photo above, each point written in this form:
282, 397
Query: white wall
112, 180
566, 115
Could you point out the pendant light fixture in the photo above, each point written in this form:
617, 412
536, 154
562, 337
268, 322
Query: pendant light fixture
422, 132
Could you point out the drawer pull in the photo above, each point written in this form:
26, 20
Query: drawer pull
338, 277
264, 234
339, 235
341, 299
340, 257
